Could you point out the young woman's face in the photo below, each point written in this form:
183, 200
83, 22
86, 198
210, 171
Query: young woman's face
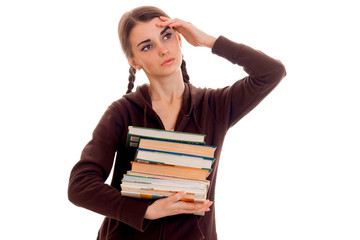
156, 50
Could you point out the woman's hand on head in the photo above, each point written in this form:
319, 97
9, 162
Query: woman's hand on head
173, 205
192, 34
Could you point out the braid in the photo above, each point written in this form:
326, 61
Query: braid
132, 72
184, 72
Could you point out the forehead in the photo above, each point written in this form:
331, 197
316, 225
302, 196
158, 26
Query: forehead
145, 30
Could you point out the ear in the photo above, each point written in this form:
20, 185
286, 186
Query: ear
179, 37
133, 63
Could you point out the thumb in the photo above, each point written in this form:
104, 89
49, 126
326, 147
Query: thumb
177, 197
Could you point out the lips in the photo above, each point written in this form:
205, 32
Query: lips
168, 61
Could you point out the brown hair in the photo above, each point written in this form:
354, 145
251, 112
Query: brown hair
127, 22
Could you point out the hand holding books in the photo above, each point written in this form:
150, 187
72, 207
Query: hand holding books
173, 205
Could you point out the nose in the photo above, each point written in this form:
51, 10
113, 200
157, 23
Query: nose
163, 50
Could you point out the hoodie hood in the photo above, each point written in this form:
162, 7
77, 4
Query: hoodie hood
141, 98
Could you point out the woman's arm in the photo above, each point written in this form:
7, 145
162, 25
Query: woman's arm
232, 103
87, 187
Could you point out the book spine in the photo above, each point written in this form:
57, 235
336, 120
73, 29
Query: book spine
149, 175
168, 132
140, 160
186, 143
172, 136
150, 196
170, 189
170, 158
174, 171
163, 182
177, 153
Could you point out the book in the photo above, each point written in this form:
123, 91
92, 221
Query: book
165, 186
166, 178
135, 133
176, 182
190, 149
170, 158
199, 193
168, 170
147, 195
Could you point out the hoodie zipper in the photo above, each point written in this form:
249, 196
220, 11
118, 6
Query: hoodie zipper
157, 118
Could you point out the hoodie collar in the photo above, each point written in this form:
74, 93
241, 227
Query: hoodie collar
188, 102
141, 98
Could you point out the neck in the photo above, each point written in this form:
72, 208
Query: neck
168, 88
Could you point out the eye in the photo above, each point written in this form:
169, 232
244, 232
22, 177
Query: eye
167, 36
145, 48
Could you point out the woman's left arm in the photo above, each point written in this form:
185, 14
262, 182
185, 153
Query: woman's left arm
234, 102
230, 104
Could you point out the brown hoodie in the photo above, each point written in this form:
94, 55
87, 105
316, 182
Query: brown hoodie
208, 111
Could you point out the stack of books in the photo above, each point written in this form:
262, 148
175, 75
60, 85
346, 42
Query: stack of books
167, 162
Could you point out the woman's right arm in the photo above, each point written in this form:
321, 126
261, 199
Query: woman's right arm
87, 186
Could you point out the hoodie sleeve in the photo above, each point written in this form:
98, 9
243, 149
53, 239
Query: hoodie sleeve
87, 186
230, 104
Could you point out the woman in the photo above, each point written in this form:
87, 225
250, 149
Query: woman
152, 42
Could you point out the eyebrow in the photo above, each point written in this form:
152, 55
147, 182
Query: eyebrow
164, 30
148, 40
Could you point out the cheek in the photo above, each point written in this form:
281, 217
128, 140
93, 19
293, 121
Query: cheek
176, 45
176, 49
179, 54
148, 64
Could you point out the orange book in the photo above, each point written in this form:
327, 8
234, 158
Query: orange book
172, 171
148, 194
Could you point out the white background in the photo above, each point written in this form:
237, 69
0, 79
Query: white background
289, 169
